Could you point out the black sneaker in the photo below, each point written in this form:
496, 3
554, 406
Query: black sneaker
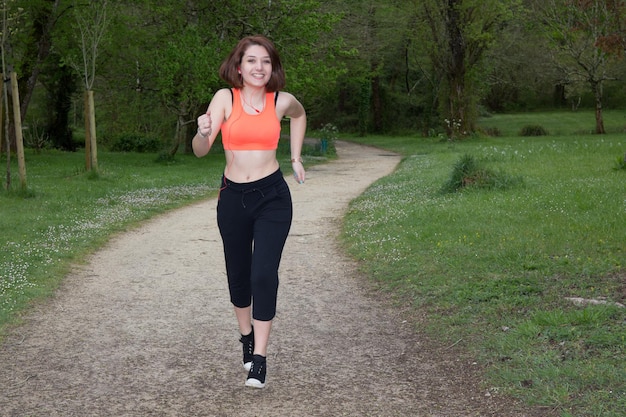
248, 349
256, 376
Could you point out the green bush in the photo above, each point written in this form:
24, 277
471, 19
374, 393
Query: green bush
533, 130
135, 142
468, 172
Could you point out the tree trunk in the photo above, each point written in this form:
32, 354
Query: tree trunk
377, 105
87, 133
91, 147
177, 135
19, 140
456, 73
597, 93
4, 124
92, 132
59, 102
364, 106
560, 98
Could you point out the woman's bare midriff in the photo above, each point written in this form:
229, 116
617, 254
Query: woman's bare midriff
247, 166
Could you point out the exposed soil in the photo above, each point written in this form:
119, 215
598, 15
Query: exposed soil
145, 328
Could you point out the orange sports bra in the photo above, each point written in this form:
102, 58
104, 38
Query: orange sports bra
243, 131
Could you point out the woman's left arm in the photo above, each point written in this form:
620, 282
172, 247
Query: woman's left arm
295, 111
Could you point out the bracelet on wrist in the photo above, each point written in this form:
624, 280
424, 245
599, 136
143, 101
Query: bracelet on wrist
299, 159
205, 136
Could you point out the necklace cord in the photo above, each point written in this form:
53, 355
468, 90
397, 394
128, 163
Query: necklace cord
243, 98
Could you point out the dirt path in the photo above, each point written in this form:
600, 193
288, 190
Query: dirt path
146, 329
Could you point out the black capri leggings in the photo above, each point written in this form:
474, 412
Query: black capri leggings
254, 220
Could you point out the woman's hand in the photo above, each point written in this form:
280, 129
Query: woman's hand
201, 143
204, 125
298, 170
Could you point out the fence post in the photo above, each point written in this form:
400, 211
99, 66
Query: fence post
19, 139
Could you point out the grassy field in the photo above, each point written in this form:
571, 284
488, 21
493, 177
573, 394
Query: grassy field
491, 270
487, 270
558, 123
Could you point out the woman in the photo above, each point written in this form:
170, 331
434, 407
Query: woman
254, 209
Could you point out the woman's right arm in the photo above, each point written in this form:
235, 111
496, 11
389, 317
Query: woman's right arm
209, 124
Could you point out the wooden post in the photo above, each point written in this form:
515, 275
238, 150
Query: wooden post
86, 113
2, 115
92, 131
19, 140
5, 131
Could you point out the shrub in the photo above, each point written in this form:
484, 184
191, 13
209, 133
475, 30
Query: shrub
329, 132
533, 130
37, 138
468, 172
493, 132
135, 142
328, 136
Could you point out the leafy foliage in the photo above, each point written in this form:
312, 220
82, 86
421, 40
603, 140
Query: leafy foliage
135, 142
365, 66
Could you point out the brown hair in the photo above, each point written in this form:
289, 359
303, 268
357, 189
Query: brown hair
229, 70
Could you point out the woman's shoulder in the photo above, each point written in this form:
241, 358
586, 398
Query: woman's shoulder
223, 97
288, 104
224, 92
222, 103
283, 93
284, 98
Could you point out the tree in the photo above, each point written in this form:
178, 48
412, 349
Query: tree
41, 16
517, 76
370, 94
458, 33
183, 68
27, 42
91, 24
33, 53
614, 42
579, 31
60, 83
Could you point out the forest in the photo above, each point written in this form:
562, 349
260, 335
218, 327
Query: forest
423, 67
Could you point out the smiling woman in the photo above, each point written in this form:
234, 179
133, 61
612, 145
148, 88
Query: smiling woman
254, 211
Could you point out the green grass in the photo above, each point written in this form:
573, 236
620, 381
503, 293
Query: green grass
491, 268
66, 213
557, 123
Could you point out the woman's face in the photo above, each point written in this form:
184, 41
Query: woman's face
256, 66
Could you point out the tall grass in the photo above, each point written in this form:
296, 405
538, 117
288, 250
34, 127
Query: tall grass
492, 269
